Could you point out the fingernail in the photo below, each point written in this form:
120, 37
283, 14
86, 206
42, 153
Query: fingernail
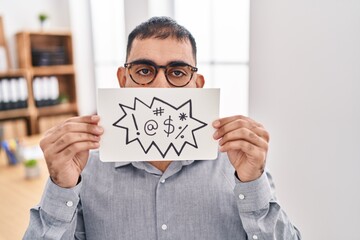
99, 129
216, 123
95, 117
215, 135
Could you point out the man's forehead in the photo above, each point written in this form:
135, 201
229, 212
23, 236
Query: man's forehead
161, 50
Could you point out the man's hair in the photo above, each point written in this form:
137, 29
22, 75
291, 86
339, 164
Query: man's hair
161, 28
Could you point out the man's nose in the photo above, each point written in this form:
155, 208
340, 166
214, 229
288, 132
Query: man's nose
160, 80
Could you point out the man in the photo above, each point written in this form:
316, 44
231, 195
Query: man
228, 198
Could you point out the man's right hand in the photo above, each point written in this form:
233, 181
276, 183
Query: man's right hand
66, 148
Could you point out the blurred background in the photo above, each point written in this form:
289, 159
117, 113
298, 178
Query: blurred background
294, 66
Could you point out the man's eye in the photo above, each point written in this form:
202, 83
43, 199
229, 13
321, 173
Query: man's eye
178, 73
144, 71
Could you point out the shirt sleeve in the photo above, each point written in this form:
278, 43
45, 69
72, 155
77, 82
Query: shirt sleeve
261, 215
57, 215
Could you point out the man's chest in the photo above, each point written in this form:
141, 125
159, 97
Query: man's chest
195, 203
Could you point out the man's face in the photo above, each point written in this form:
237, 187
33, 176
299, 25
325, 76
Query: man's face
160, 52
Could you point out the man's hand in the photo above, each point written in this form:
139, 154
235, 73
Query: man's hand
66, 148
246, 143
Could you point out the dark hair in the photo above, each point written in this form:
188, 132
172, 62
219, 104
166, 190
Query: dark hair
162, 28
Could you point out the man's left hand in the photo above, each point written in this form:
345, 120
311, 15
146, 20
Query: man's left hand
246, 143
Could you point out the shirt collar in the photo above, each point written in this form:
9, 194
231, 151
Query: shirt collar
122, 164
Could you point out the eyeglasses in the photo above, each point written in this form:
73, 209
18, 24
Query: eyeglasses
143, 72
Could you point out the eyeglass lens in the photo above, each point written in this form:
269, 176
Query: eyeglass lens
143, 73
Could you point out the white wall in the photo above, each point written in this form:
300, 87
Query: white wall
19, 15
304, 87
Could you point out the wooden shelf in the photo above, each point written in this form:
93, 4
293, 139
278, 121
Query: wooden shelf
53, 70
14, 113
42, 55
62, 108
3, 44
13, 73
58, 33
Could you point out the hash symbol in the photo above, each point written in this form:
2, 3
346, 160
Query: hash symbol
158, 111
182, 116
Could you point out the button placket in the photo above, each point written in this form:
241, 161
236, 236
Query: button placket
69, 203
164, 227
241, 196
161, 214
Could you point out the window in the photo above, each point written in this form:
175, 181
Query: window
221, 30
108, 33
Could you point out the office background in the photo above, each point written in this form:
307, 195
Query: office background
300, 78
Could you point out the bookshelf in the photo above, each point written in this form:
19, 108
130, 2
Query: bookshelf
3, 48
45, 61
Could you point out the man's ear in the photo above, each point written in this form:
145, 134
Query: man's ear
200, 81
121, 75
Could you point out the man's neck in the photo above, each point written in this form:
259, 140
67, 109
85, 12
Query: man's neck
161, 165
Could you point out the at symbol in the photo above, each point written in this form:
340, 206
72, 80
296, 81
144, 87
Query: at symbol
150, 127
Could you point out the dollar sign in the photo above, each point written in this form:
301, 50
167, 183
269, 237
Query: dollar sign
167, 123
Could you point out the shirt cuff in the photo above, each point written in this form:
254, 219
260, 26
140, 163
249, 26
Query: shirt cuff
254, 195
60, 203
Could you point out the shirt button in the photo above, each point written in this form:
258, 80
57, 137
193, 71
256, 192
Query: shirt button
255, 237
242, 197
162, 181
164, 227
69, 203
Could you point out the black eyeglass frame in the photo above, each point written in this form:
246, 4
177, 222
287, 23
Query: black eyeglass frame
157, 67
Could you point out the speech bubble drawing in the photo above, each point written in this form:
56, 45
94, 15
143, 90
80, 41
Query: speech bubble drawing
175, 125
130, 113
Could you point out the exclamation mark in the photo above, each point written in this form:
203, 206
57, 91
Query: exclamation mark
135, 124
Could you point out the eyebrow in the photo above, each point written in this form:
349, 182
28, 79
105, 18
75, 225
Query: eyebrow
148, 61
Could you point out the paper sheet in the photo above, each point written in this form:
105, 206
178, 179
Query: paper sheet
142, 124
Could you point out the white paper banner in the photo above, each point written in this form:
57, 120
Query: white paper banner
142, 124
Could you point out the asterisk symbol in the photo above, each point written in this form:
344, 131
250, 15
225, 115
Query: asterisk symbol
182, 116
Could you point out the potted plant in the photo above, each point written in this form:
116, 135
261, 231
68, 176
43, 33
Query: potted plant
42, 18
32, 168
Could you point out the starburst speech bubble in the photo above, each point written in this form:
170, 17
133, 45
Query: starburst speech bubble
150, 124
145, 123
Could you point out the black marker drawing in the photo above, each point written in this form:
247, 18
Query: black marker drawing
182, 136
137, 133
170, 127
150, 127
160, 125
182, 116
158, 111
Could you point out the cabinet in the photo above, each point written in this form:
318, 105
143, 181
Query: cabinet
44, 56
